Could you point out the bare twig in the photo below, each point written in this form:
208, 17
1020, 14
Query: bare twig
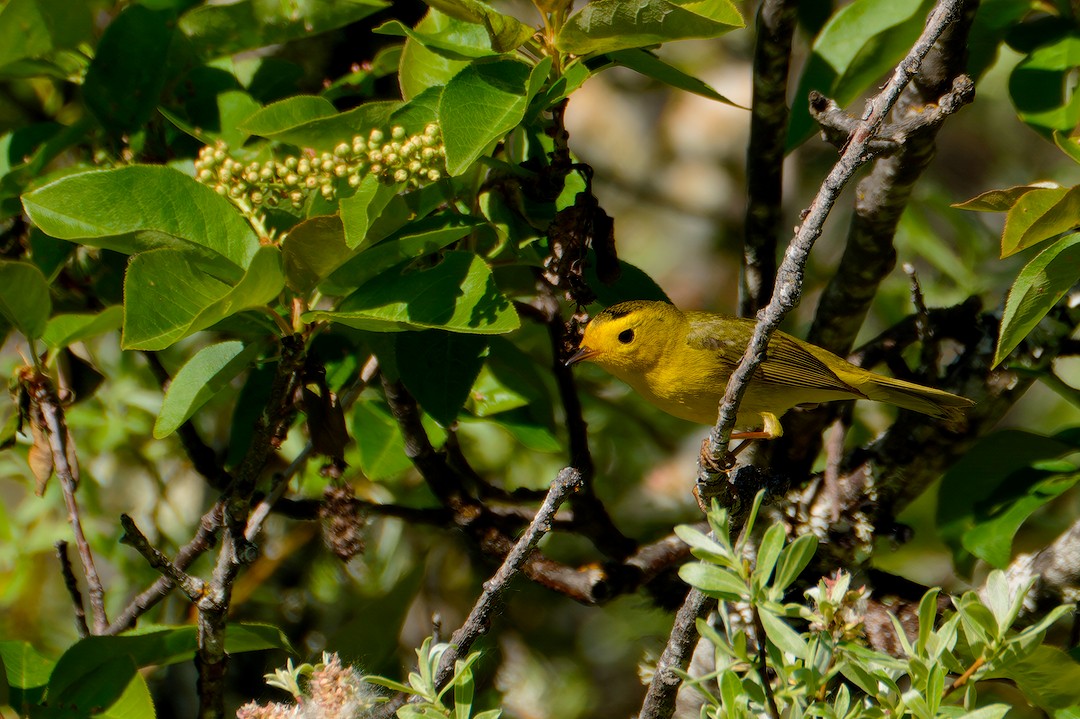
202, 541
44, 402
72, 585
192, 587
479, 619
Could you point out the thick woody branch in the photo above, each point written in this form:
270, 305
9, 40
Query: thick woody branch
765, 155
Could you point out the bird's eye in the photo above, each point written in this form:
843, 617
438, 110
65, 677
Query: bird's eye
626, 336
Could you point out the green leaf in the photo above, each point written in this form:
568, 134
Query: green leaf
24, 298
991, 538
1069, 144
1049, 678
860, 43
226, 29
415, 240
134, 702
608, 25
531, 433
452, 45
284, 115
510, 379
125, 78
254, 637
458, 294
33, 29
325, 133
422, 67
166, 208
1038, 86
168, 295
439, 369
705, 547
782, 635
714, 581
768, 551
505, 32
379, 441
216, 110
1039, 215
67, 329
927, 618
1002, 200
650, 65
794, 559
968, 486
1038, 287
203, 376
26, 668
482, 103
313, 250
360, 212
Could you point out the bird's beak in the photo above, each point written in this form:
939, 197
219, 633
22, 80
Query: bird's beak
581, 355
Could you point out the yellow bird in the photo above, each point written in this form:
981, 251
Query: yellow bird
681, 362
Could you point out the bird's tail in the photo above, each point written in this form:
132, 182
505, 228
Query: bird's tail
927, 400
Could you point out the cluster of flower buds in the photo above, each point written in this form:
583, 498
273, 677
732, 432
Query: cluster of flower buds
391, 157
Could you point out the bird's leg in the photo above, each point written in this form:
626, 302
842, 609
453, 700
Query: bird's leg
770, 429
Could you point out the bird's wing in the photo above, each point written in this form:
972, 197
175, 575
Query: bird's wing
786, 363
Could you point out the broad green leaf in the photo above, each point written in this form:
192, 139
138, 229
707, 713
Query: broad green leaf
67, 329
325, 133
1049, 678
1038, 287
1039, 86
458, 294
453, 45
379, 441
203, 376
714, 581
284, 115
505, 32
991, 711
967, 486
214, 107
481, 104
526, 430
781, 634
24, 298
608, 25
362, 210
134, 702
168, 296
794, 559
33, 29
650, 65
423, 68
1039, 215
415, 240
1002, 200
509, 380
125, 78
1069, 144
439, 369
225, 29
103, 207
93, 660
313, 250
858, 45
991, 538
26, 668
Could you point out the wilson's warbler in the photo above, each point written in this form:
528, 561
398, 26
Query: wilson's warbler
681, 362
